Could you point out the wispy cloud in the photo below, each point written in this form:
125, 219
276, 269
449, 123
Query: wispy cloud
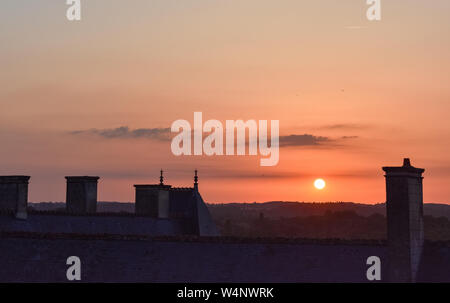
162, 134
303, 140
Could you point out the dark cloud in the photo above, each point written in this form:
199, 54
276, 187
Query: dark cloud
303, 140
162, 134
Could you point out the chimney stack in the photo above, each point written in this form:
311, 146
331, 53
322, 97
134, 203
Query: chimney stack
81, 195
14, 195
404, 206
153, 199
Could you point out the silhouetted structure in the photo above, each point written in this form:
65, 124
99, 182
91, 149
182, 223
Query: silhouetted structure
160, 211
161, 201
153, 200
128, 247
404, 206
14, 195
81, 195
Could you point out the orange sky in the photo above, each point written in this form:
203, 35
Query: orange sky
319, 67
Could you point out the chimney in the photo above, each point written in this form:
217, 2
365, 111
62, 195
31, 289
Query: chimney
81, 195
14, 195
404, 206
153, 199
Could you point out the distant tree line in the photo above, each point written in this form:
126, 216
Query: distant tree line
331, 225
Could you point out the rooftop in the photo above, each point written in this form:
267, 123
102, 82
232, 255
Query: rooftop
203, 239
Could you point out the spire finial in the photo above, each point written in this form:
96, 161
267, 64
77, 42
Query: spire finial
406, 162
161, 178
196, 180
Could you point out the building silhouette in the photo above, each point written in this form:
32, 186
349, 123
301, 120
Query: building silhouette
171, 238
404, 207
160, 210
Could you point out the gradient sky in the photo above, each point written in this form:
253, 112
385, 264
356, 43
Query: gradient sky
374, 91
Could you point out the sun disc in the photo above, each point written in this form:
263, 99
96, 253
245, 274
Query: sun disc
319, 184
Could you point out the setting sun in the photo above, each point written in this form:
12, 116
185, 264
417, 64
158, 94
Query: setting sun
319, 184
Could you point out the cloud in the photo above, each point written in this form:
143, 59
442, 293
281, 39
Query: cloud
165, 134
303, 140
162, 134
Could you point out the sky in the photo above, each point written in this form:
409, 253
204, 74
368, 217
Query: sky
355, 94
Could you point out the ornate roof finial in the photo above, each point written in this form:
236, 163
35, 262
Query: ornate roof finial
196, 180
161, 178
